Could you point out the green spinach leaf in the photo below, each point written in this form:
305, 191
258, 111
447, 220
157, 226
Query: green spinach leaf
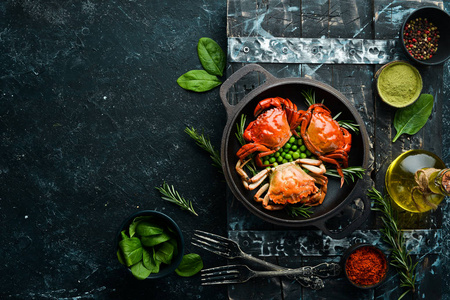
211, 56
191, 264
140, 271
165, 253
149, 262
145, 228
120, 257
198, 81
136, 221
412, 118
153, 240
131, 250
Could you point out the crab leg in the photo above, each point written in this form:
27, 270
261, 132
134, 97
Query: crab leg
255, 181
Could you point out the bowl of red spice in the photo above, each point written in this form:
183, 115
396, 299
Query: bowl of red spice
425, 37
365, 266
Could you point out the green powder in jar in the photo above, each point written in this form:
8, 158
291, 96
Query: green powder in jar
399, 84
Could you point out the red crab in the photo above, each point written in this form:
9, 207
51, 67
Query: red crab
325, 138
288, 183
272, 128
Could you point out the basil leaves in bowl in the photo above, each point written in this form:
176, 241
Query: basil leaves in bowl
150, 244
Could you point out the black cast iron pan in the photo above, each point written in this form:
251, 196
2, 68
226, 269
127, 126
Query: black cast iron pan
337, 198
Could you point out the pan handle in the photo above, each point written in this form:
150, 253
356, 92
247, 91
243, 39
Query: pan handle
356, 223
235, 77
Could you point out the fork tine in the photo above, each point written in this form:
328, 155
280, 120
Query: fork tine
220, 282
208, 243
207, 248
214, 237
221, 269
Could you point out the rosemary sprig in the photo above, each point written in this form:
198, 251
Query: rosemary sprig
240, 129
392, 235
302, 210
310, 96
205, 144
170, 194
349, 125
350, 173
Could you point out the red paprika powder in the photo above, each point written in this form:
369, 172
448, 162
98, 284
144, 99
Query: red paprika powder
366, 266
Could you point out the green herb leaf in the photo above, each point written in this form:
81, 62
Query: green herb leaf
350, 173
131, 250
349, 125
170, 194
299, 210
149, 261
120, 258
211, 56
140, 271
165, 253
132, 228
190, 265
393, 235
123, 235
145, 228
198, 81
412, 118
241, 129
153, 240
206, 145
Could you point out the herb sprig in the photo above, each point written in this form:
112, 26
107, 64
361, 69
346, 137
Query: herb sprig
205, 144
302, 210
392, 235
350, 173
170, 194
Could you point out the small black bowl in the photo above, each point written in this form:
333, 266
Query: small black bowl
356, 247
441, 20
164, 220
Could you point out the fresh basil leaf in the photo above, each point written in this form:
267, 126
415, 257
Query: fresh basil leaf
140, 271
136, 222
175, 246
412, 118
120, 258
198, 81
211, 56
149, 260
165, 253
153, 240
190, 265
131, 250
145, 228
123, 235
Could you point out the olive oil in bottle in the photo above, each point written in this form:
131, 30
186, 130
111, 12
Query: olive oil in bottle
403, 188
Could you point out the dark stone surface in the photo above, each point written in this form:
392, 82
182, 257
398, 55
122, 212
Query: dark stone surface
91, 120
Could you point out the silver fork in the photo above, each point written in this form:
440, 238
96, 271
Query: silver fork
230, 249
231, 274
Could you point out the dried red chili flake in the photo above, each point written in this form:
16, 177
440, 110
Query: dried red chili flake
366, 266
422, 37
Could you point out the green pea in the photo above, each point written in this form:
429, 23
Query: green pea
302, 148
302, 155
268, 167
296, 155
287, 146
308, 152
285, 161
290, 152
277, 154
266, 162
288, 156
294, 147
300, 142
283, 154
299, 127
292, 140
280, 159
272, 160
275, 164
291, 159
